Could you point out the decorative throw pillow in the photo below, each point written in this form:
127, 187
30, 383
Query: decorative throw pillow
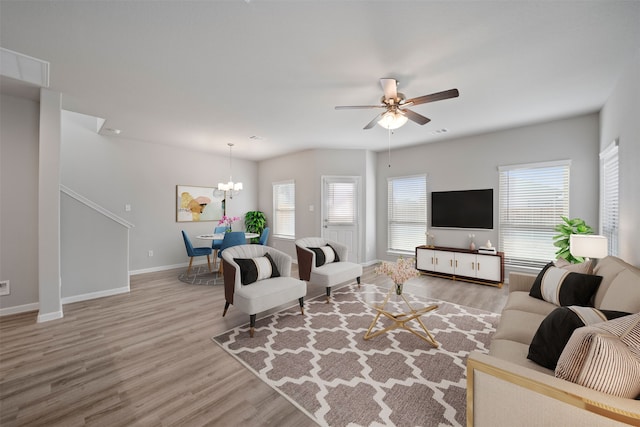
254, 269
585, 267
604, 357
556, 329
561, 287
325, 255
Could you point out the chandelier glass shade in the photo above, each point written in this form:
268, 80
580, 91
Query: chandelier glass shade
233, 188
392, 120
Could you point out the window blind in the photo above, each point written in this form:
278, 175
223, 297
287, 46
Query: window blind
532, 200
609, 205
284, 209
407, 213
341, 203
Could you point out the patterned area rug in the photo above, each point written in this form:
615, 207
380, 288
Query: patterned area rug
200, 275
322, 364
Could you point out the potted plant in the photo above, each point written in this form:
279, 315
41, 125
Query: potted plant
566, 228
255, 222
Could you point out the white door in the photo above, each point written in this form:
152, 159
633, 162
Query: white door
340, 201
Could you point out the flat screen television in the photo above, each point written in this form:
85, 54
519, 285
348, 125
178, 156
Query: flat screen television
462, 209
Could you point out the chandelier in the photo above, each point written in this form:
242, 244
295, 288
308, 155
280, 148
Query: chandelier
233, 188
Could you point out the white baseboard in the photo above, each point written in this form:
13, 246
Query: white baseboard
19, 309
94, 295
50, 316
163, 268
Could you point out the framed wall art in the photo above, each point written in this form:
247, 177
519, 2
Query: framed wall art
196, 204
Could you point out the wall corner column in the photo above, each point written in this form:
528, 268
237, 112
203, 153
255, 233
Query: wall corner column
49, 280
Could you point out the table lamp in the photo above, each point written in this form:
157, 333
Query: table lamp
588, 245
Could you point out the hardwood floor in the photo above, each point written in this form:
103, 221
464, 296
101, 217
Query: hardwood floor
147, 359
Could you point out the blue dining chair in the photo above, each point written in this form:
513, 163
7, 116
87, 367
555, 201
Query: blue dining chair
194, 252
215, 244
233, 238
264, 236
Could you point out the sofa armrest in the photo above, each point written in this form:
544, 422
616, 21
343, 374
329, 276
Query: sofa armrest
536, 398
521, 281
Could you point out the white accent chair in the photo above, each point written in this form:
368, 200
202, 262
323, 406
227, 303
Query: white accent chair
330, 274
263, 294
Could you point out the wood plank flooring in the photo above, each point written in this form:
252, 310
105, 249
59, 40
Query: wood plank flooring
147, 359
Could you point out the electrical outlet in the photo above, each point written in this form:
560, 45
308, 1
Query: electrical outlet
127, 208
150, 253
5, 287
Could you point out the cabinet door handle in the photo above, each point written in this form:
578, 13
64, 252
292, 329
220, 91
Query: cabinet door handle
432, 261
478, 266
473, 265
450, 263
456, 263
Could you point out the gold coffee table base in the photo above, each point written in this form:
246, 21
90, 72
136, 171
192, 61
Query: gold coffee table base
400, 320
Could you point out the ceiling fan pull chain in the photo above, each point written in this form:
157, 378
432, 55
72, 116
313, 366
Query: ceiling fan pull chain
389, 129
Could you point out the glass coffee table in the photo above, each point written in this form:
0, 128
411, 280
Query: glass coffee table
400, 320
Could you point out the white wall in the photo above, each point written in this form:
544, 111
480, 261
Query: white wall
620, 119
115, 171
472, 163
19, 124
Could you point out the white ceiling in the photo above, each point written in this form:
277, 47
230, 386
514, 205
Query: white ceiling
201, 74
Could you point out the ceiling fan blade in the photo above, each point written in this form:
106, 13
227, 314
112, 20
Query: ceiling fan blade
438, 96
418, 118
373, 122
353, 107
390, 88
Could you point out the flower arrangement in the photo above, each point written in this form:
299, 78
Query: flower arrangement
228, 221
400, 271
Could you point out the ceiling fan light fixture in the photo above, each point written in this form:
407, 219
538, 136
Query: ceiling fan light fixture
392, 120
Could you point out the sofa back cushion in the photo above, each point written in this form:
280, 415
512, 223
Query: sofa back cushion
620, 287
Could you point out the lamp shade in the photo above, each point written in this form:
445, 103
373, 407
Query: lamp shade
588, 245
392, 120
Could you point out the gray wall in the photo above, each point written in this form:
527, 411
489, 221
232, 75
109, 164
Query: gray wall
19, 124
472, 163
306, 168
620, 119
114, 171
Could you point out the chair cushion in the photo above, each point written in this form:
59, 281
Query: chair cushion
556, 329
325, 255
604, 357
335, 273
562, 287
258, 268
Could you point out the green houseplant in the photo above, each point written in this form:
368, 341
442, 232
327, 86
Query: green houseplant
566, 228
255, 222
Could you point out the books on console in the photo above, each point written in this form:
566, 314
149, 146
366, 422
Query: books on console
487, 250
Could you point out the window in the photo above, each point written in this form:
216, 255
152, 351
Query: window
533, 198
407, 213
284, 209
341, 201
609, 207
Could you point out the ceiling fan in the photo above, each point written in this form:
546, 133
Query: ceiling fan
396, 111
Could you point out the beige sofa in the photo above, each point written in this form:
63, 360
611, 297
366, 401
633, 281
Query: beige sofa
504, 388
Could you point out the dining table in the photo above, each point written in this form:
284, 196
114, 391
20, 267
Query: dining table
220, 236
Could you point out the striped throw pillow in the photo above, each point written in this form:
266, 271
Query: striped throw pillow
604, 357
